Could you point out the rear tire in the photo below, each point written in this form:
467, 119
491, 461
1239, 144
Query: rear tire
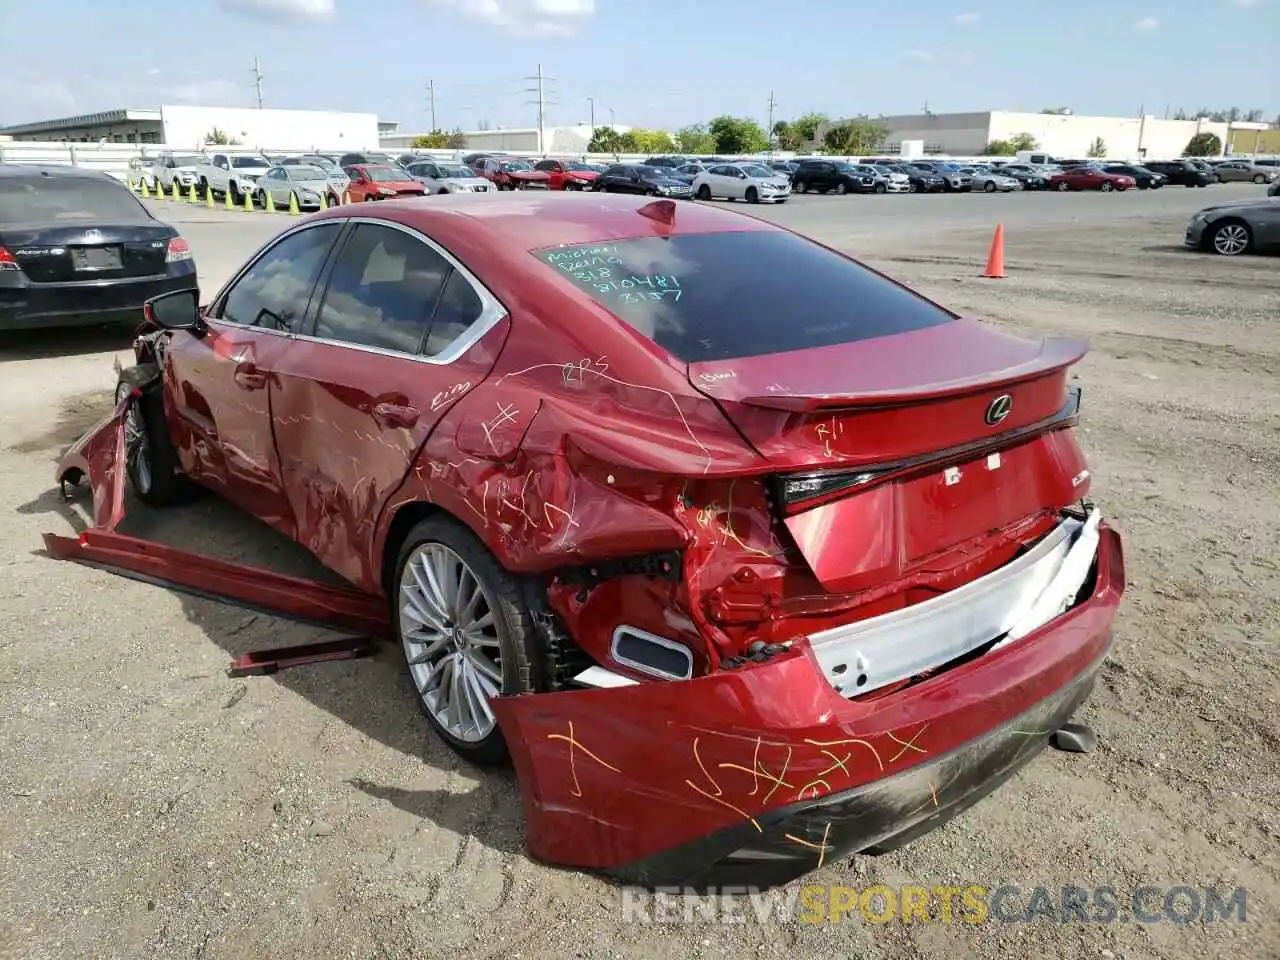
151, 462
497, 617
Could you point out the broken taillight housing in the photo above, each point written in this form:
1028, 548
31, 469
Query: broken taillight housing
7, 262
179, 250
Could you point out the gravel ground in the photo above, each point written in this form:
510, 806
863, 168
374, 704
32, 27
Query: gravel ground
155, 807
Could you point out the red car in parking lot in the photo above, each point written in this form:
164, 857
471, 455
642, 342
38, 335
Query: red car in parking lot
375, 181
1091, 178
511, 173
568, 174
747, 555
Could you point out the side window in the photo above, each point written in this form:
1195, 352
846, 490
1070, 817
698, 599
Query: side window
382, 291
276, 289
460, 307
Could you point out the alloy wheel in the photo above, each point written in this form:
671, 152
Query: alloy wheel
451, 641
137, 445
1231, 239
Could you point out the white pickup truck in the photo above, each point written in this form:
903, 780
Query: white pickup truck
234, 173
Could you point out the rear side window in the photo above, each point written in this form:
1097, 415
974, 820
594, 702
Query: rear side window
719, 296
39, 199
383, 290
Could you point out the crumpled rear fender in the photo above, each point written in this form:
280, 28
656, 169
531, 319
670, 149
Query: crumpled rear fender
616, 777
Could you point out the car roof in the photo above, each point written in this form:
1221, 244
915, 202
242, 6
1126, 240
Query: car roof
31, 170
519, 223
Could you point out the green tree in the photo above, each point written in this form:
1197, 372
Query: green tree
1023, 141
606, 140
457, 140
999, 148
798, 133
651, 141
1203, 145
695, 138
1098, 148
435, 140
737, 135
218, 138
861, 135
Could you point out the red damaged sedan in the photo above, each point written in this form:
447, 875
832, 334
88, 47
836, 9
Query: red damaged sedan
746, 567
1091, 178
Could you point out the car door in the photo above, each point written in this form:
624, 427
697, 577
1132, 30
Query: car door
387, 351
219, 409
275, 183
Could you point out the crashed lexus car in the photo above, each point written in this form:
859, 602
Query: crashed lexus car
746, 555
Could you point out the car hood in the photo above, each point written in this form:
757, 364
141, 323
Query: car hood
582, 174
778, 181
527, 175
1254, 203
316, 185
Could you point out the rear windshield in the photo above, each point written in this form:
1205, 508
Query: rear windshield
69, 199
705, 297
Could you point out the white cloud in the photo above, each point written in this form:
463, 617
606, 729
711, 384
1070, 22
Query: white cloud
38, 97
525, 17
213, 93
924, 56
967, 19
316, 11
1147, 23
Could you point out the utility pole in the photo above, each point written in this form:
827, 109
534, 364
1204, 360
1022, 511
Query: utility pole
542, 104
611, 123
257, 80
769, 131
431, 87
1142, 129
592, 102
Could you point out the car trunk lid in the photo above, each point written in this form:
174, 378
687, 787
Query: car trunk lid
60, 254
890, 450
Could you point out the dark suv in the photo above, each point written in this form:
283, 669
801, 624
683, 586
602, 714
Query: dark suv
1180, 171
828, 175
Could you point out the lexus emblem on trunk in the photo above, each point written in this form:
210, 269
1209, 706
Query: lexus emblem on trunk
999, 409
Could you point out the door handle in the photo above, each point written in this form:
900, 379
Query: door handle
395, 414
249, 377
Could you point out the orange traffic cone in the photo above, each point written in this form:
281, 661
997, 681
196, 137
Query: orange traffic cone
995, 260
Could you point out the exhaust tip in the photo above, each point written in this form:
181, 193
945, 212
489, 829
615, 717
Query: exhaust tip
1074, 738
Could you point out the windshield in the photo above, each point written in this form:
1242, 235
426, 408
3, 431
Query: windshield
188, 161
456, 171
845, 168
662, 173
574, 165
61, 200
713, 296
515, 166
384, 174
326, 165
242, 163
307, 173
755, 170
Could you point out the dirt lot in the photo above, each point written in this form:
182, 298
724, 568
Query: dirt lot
154, 807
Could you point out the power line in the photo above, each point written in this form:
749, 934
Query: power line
540, 90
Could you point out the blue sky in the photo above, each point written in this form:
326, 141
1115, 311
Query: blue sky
652, 62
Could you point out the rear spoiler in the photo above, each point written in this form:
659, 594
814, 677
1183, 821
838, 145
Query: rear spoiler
1056, 353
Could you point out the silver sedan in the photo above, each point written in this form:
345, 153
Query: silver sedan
311, 185
441, 177
990, 180
742, 181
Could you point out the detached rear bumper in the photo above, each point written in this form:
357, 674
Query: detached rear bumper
758, 775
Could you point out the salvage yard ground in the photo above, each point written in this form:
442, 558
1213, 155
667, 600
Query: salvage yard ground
154, 807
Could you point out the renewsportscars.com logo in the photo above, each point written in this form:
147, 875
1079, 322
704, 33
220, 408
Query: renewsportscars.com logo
973, 904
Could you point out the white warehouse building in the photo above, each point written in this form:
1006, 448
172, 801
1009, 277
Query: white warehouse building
186, 127
1063, 135
558, 140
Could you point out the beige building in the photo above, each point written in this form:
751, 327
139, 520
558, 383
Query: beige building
1063, 135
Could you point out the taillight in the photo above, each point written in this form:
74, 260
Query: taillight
6, 260
179, 250
800, 489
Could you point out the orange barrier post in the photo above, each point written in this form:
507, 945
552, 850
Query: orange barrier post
995, 260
